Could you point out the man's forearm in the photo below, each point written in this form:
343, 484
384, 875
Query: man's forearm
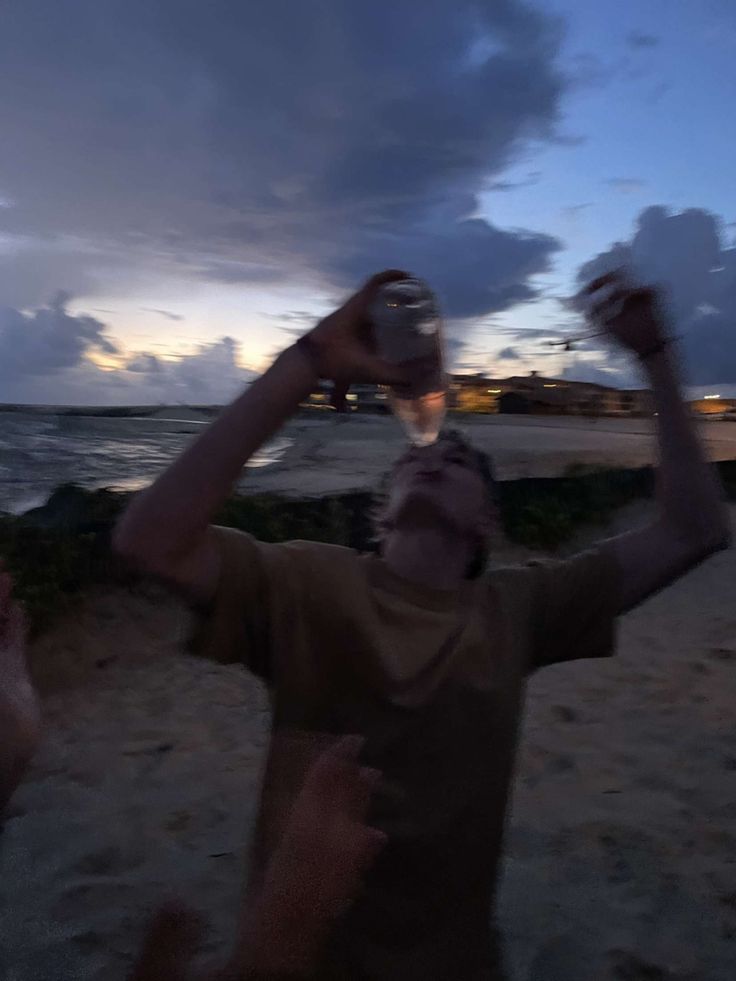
690, 493
170, 516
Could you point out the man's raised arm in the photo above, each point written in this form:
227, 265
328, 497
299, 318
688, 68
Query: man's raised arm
692, 521
164, 530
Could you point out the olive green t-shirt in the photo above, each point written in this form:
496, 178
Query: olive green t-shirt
434, 680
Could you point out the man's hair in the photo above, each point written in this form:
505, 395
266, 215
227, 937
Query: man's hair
484, 467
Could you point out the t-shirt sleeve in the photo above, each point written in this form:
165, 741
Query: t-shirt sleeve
234, 628
574, 603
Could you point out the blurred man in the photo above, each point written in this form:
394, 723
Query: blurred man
416, 648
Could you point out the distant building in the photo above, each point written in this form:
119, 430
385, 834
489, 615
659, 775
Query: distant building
714, 406
531, 394
538, 395
363, 398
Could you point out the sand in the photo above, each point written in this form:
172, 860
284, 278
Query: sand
621, 843
332, 454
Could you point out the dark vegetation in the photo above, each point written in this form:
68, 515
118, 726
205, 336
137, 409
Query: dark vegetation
56, 551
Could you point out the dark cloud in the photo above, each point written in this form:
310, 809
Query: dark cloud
532, 178
508, 354
163, 313
47, 341
211, 375
270, 142
475, 267
627, 185
685, 254
146, 364
639, 40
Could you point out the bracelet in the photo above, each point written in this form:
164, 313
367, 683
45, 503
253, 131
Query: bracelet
310, 351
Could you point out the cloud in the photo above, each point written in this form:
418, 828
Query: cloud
146, 364
639, 40
532, 178
591, 370
573, 211
210, 375
686, 255
47, 341
300, 320
626, 185
163, 313
474, 267
45, 358
508, 354
262, 143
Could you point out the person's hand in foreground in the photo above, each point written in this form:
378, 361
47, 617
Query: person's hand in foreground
631, 315
691, 521
311, 880
20, 717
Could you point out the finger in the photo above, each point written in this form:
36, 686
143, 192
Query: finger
611, 307
387, 276
361, 301
13, 629
360, 788
371, 368
609, 278
326, 776
348, 747
644, 294
170, 944
375, 842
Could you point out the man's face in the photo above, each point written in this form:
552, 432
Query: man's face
439, 485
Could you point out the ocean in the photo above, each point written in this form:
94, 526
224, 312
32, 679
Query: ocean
41, 450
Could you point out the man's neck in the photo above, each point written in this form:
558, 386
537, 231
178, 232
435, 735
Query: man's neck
427, 558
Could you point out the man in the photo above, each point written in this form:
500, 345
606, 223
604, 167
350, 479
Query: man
411, 647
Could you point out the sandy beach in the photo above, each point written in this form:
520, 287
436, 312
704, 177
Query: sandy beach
621, 843
334, 454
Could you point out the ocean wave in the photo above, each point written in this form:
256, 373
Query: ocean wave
121, 454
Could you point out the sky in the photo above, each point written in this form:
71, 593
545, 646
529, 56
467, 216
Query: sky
186, 186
